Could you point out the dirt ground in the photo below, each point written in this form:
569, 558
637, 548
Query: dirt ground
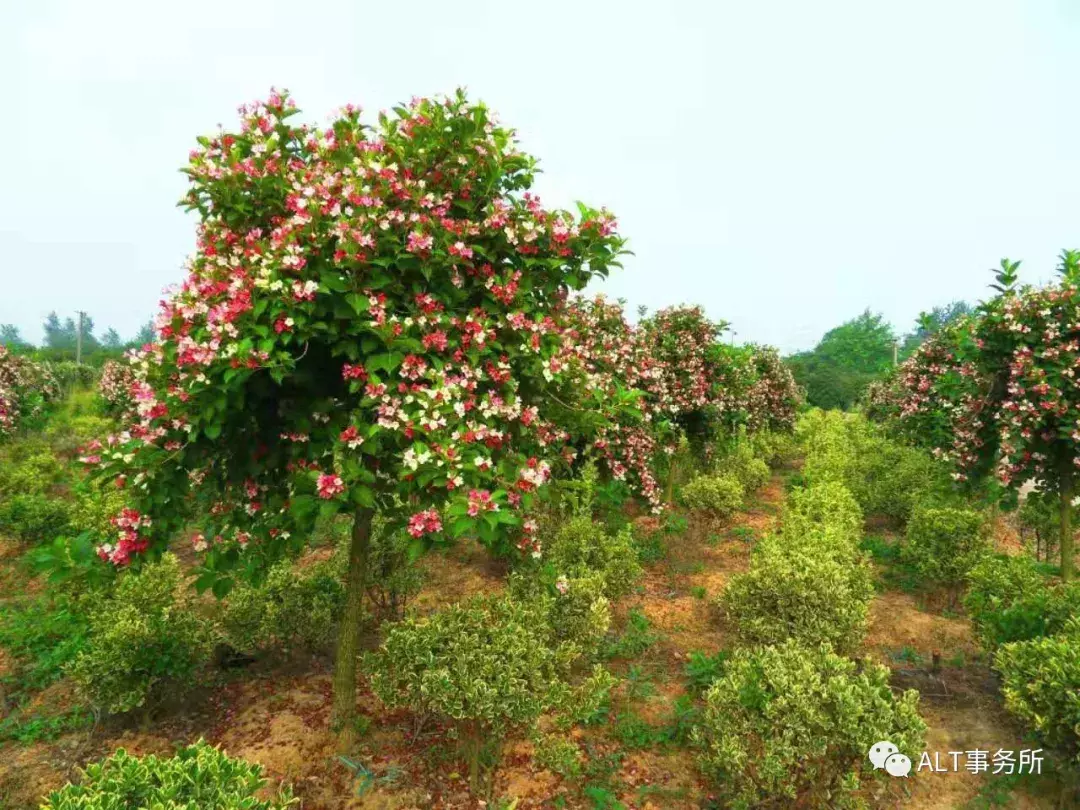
277, 715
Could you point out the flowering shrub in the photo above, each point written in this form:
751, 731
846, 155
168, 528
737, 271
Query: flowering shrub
198, 776
994, 394
117, 387
789, 726
618, 377
720, 495
144, 640
25, 389
369, 316
773, 398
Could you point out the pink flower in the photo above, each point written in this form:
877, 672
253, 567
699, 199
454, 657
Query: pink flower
419, 242
425, 522
330, 485
461, 249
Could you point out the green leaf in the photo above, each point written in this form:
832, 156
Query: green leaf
222, 587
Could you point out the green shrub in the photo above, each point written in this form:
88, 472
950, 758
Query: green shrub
199, 777
750, 471
789, 726
775, 449
43, 636
577, 609
558, 754
1010, 599
720, 495
393, 578
942, 544
486, 666
295, 606
1041, 686
790, 593
582, 546
94, 507
34, 517
886, 478
829, 503
30, 468
145, 638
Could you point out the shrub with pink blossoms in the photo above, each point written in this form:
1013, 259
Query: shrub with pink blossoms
997, 394
115, 387
26, 388
369, 305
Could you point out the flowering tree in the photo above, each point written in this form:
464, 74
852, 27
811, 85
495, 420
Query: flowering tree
998, 393
25, 388
116, 387
366, 324
773, 398
618, 380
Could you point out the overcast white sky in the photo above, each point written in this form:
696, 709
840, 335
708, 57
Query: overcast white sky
785, 164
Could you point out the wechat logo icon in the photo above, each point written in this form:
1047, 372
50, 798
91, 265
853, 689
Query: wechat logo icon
886, 755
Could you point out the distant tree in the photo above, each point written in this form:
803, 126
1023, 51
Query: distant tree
59, 335
932, 322
144, 335
847, 359
111, 339
11, 337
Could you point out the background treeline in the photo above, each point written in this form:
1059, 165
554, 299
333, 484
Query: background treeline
849, 357
61, 340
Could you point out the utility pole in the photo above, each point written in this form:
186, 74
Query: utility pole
78, 339
895, 347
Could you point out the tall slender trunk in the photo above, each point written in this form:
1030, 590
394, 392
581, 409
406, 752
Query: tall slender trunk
1065, 507
348, 646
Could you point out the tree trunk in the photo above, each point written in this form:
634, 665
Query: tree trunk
344, 711
1065, 521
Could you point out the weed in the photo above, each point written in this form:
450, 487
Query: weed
634, 640
701, 670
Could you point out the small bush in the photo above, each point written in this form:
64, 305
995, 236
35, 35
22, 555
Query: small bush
29, 468
720, 495
1009, 599
775, 449
34, 517
943, 544
392, 579
199, 776
486, 666
750, 471
829, 503
1041, 686
296, 606
558, 754
582, 547
788, 593
576, 608
145, 638
789, 726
